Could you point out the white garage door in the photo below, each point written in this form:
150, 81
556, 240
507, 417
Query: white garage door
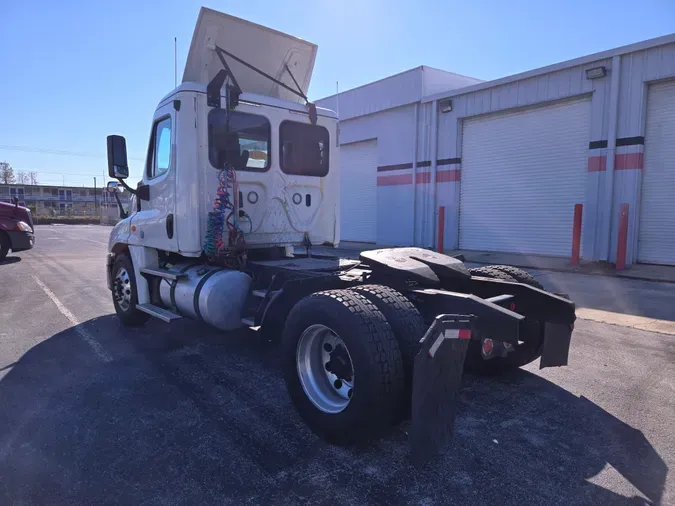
656, 236
522, 174
358, 191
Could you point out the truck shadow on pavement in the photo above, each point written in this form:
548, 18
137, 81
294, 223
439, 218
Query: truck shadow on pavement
10, 260
185, 415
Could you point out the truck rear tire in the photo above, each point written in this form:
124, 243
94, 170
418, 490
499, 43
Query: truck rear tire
524, 353
491, 272
4, 245
342, 366
519, 275
124, 294
406, 322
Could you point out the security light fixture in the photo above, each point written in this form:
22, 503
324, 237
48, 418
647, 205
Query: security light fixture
445, 105
596, 72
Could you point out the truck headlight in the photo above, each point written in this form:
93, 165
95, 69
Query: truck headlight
23, 226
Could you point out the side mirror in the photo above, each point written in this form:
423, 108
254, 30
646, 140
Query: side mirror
117, 157
114, 187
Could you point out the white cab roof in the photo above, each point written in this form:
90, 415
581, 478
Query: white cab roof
264, 48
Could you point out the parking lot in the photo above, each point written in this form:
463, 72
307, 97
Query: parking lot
95, 413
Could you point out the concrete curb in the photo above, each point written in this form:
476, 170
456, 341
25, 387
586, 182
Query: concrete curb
627, 320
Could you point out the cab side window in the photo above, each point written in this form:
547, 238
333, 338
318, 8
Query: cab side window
159, 156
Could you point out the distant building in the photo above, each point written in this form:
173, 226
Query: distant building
50, 200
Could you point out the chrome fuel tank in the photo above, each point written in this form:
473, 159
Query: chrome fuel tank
210, 294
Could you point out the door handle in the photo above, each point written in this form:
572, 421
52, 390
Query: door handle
169, 226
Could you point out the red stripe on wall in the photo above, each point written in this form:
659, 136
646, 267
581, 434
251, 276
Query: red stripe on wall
423, 177
442, 176
628, 161
445, 176
395, 180
597, 163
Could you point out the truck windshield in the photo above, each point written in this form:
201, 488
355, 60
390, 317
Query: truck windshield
252, 130
303, 149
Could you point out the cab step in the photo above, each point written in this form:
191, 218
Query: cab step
263, 293
249, 321
158, 312
163, 273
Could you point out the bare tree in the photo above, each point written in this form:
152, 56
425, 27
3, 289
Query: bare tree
6, 173
22, 177
33, 177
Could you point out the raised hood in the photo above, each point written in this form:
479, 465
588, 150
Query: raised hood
266, 49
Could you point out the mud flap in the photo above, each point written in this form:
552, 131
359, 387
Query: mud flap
436, 380
557, 338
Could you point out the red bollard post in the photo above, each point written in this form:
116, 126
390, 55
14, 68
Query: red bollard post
576, 233
441, 228
623, 238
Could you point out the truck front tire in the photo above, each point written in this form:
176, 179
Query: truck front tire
342, 366
124, 294
4, 245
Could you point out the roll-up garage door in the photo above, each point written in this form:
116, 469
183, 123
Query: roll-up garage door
358, 191
522, 174
656, 235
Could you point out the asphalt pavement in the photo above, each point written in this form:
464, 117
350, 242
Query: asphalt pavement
94, 413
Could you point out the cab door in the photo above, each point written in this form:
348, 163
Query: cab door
154, 224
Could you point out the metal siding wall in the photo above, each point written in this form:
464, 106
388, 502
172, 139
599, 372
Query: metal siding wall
372, 98
636, 68
594, 213
439, 81
395, 133
424, 195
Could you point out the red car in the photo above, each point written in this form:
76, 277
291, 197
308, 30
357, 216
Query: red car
16, 228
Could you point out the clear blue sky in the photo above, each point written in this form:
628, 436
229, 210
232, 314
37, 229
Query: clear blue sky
73, 72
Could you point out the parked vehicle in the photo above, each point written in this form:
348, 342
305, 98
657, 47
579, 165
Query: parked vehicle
16, 228
241, 170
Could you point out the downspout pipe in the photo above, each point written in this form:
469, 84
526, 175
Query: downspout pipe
434, 164
414, 173
609, 217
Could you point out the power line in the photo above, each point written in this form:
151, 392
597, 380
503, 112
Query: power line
28, 149
95, 174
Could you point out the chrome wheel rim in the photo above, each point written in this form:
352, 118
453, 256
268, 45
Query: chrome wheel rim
122, 289
325, 369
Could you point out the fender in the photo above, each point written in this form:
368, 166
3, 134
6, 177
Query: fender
143, 257
280, 305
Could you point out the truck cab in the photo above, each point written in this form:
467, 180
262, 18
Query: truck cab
16, 229
285, 190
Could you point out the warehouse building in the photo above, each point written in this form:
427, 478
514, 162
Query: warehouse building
509, 159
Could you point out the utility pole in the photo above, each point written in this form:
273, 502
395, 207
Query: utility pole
175, 63
95, 203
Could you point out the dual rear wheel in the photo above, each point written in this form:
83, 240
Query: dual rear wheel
523, 353
347, 360
348, 356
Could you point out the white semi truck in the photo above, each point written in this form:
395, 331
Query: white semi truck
242, 170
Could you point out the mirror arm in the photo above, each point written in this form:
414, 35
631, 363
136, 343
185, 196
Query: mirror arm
127, 187
123, 213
